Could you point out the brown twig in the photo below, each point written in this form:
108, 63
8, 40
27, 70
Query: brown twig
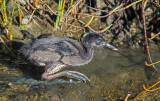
88, 26
147, 91
126, 98
151, 63
150, 90
36, 17
71, 9
144, 2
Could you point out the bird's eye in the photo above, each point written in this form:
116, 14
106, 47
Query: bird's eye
98, 41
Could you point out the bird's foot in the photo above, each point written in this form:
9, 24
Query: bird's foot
70, 74
77, 75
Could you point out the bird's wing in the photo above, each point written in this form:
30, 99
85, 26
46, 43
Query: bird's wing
65, 48
62, 47
42, 58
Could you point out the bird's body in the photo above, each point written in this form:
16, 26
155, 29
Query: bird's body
55, 53
55, 49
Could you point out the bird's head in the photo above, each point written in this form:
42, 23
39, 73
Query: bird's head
96, 41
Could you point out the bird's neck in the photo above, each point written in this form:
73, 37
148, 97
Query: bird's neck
87, 53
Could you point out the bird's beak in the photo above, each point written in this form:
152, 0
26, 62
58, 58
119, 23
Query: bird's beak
110, 46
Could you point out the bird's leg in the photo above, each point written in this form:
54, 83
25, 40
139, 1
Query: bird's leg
51, 69
51, 73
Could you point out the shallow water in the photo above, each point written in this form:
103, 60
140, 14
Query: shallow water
113, 75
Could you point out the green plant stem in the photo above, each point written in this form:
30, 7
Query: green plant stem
71, 3
4, 11
10, 23
59, 13
89, 22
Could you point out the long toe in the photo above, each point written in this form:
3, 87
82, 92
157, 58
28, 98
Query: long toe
76, 75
